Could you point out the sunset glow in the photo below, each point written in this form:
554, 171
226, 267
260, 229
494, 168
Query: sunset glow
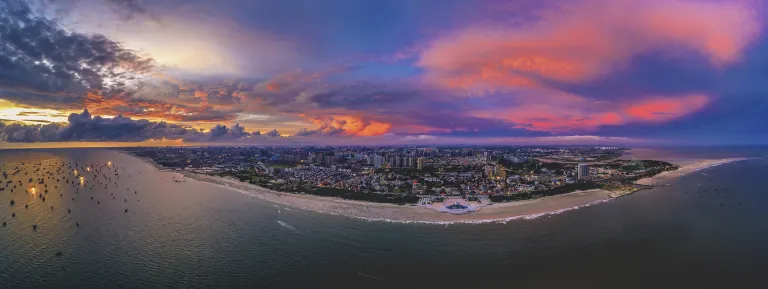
383, 143
636, 69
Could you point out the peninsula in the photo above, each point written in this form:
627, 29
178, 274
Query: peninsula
425, 185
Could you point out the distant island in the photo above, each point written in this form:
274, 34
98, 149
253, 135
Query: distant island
423, 184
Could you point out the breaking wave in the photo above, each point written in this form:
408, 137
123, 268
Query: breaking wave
287, 226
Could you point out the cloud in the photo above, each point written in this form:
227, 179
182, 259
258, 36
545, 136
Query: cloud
419, 137
587, 39
85, 127
272, 133
553, 71
584, 66
346, 125
662, 109
237, 132
581, 138
578, 114
128, 9
190, 38
156, 109
41, 62
357, 108
292, 91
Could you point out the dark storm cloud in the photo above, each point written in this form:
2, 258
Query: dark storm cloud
40, 61
305, 132
272, 133
325, 129
236, 132
84, 127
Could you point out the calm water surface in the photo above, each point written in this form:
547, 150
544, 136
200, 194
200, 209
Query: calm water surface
706, 230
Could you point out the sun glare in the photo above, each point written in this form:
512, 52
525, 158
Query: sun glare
11, 111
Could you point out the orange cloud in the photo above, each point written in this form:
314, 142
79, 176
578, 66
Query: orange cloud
585, 117
663, 109
201, 94
156, 110
295, 78
585, 40
351, 125
421, 129
273, 87
203, 97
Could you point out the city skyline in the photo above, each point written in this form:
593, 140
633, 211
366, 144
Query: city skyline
627, 72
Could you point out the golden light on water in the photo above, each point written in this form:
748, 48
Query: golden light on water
32, 189
75, 171
88, 169
109, 163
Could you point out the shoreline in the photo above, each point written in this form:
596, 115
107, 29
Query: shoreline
670, 175
493, 213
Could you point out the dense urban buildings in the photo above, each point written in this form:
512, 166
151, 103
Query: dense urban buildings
406, 174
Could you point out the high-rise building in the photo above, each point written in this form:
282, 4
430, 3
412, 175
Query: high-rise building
420, 163
398, 162
582, 170
378, 161
410, 162
499, 172
513, 158
489, 172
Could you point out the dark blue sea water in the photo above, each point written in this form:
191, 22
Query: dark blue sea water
706, 230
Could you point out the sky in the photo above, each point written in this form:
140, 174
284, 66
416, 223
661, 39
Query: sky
383, 72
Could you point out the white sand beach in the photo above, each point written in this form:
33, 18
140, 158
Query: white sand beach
498, 212
667, 176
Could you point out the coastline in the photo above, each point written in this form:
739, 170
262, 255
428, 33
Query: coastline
700, 165
496, 212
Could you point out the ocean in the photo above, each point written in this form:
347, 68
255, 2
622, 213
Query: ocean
704, 230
